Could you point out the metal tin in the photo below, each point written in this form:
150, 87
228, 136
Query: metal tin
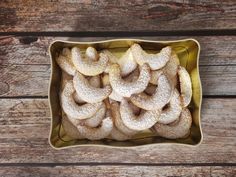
188, 52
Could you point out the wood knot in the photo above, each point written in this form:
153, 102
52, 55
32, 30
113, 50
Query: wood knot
28, 40
4, 88
163, 13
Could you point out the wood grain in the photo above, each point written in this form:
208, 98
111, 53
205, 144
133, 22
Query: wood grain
25, 64
25, 72
25, 124
151, 15
121, 171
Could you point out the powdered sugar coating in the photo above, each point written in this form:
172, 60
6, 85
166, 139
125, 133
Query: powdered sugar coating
87, 92
91, 53
142, 122
72, 109
158, 100
65, 62
115, 107
185, 86
99, 132
126, 62
125, 88
178, 129
88, 67
172, 113
97, 118
155, 61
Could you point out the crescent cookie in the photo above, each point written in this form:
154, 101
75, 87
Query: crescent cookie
177, 129
158, 100
173, 111
155, 61
170, 69
87, 66
125, 88
185, 86
93, 121
99, 132
126, 62
87, 92
74, 110
97, 118
143, 121
115, 111
65, 63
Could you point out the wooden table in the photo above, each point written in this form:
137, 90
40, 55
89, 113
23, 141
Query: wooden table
27, 28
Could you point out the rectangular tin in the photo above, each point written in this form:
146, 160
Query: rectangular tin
188, 52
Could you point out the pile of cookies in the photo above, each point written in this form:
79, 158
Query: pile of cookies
103, 96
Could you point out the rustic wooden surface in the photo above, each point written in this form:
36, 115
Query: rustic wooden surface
26, 30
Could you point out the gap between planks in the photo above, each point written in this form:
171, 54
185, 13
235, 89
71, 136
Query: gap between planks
190, 33
117, 164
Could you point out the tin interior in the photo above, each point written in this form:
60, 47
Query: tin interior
188, 53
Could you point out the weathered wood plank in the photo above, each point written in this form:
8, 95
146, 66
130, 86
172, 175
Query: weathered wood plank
25, 65
121, 171
152, 15
215, 50
25, 124
218, 80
